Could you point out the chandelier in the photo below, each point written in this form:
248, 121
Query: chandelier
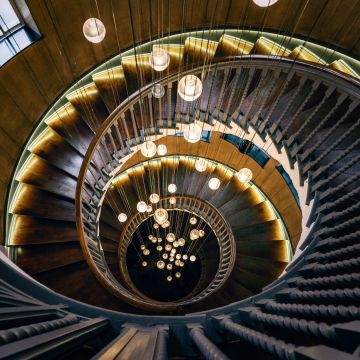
173, 249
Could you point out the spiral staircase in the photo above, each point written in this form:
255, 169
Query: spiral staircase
306, 108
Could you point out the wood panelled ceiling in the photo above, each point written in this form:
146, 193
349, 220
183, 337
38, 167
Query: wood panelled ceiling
31, 81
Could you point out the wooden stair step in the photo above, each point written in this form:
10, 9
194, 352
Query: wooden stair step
35, 202
88, 102
232, 46
43, 175
267, 230
53, 148
30, 230
253, 215
68, 123
257, 265
112, 86
39, 258
268, 249
198, 50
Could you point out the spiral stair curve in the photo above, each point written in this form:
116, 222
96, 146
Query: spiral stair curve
310, 115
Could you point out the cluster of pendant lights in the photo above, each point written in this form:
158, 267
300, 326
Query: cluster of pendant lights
171, 255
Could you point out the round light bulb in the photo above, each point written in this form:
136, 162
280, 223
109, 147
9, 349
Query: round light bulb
190, 87
159, 248
149, 209
181, 242
141, 206
160, 264
159, 240
168, 247
178, 256
154, 240
172, 188
156, 226
171, 259
162, 150
173, 251
165, 256
194, 234
172, 200
201, 233
170, 237
144, 263
175, 244
160, 215
214, 183
146, 251
201, 164
150, 237
182, 263
159, 59
192, 133
193, 220
192, 258
244, 175
185, 257
122, 217
265, 3
169, 278
166, 224
169, 266
177, 262
158, 91
142, 247
177, 275
154, 198
148, 149
94, 30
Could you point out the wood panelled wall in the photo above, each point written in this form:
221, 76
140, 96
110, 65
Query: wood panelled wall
31, 81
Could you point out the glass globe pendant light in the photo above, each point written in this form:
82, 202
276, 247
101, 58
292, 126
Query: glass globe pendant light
94, 30
192, 258
162, 150
201, 165
160, 215
190, 87
172, 188
192, 133
159, 59
193, 220
170, 237
166, 224
178, 275
214, 183
160, 264
141, 206
144, 263
244, 175
122, 217
172, 201
265, 3
169, 278
148, 149
149, 209
158, 91
194, 234
154, 198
